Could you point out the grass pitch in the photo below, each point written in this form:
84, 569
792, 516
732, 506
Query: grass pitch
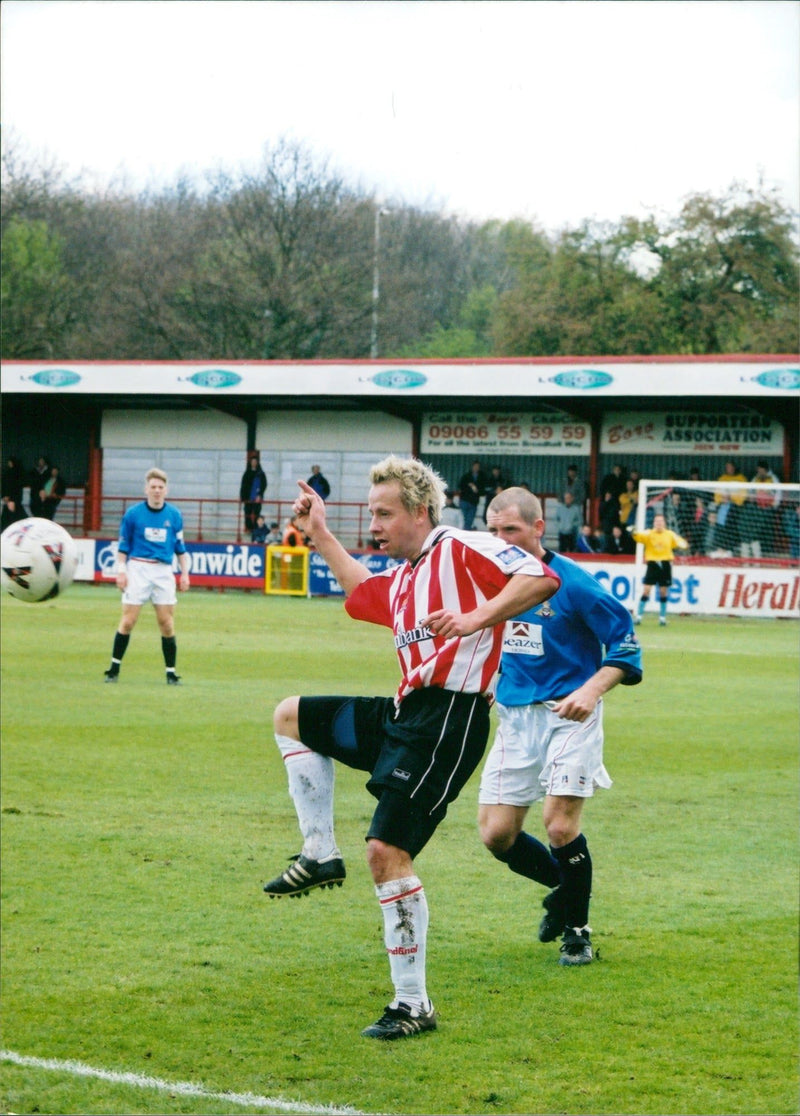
139, 822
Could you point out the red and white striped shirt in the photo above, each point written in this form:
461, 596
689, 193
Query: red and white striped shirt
457, 570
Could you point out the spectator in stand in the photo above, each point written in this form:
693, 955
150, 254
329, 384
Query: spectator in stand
251, 491
471, 488
659, 546
292, 535
698, 526
628, 503
569, 521
714, 536
589, 541
759, 521
613, 482
609, 512
13, 483
726, 524
620, 542
52, 493
575, 485
39, 474
790, 521
260, 531
735, 496
730, 475
496, 483
451, 512
319, 483
274, 535
678, 513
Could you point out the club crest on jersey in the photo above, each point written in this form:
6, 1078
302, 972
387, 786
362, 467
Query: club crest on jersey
545, 611
511, 554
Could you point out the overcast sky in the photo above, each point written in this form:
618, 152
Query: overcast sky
555, 112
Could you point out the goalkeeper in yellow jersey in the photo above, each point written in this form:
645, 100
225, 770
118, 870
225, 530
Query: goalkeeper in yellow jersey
659, 546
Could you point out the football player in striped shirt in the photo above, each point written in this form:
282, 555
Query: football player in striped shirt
559, 659
445, 599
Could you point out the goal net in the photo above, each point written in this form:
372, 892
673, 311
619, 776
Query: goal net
743, 554
721, 519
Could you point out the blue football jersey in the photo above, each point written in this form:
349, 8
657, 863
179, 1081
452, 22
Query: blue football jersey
553, 648
150, 534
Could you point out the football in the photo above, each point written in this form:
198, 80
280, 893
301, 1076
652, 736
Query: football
38, 559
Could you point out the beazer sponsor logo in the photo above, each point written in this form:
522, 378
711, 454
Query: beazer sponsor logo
520, 638
746, 591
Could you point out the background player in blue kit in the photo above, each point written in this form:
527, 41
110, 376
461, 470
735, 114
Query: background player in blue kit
558, 660
150, 534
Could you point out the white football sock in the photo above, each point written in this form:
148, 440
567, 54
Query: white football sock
311, 779
405, 927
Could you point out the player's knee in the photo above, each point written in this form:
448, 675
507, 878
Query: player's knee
495, 833
561, 831
387, 862
285, 718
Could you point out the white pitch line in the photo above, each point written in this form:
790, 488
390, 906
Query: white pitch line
179, 1088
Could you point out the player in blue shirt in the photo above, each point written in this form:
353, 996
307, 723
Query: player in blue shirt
150, 534
558, 661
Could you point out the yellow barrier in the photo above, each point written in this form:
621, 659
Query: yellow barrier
287, 571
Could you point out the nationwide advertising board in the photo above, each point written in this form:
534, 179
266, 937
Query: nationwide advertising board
213, 565
724, 589
221, 565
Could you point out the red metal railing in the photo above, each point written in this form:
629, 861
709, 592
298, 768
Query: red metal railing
211, 520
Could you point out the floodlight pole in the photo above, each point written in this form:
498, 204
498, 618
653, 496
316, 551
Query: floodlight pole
376, 281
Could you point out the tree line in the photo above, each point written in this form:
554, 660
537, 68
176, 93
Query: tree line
280, 263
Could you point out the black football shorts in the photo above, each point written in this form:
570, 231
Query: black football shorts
418, 757
658, 573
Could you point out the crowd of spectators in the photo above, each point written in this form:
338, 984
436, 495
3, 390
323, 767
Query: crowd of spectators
45, 485
740, 523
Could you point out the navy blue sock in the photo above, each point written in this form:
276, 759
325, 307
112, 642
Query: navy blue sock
121, 642
575, 868
169, 648
529, 857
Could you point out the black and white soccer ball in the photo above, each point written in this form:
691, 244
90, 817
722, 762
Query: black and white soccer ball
38, 559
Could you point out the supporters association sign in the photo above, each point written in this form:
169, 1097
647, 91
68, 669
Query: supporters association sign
688, 432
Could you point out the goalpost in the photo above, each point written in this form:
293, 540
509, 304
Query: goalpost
743, 556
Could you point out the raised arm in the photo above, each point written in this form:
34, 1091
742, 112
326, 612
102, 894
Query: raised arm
521, 592
309, 511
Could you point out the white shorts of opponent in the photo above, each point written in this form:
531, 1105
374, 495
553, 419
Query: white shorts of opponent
536, 752
149, 581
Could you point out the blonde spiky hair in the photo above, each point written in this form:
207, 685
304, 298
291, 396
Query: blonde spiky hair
420, 485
